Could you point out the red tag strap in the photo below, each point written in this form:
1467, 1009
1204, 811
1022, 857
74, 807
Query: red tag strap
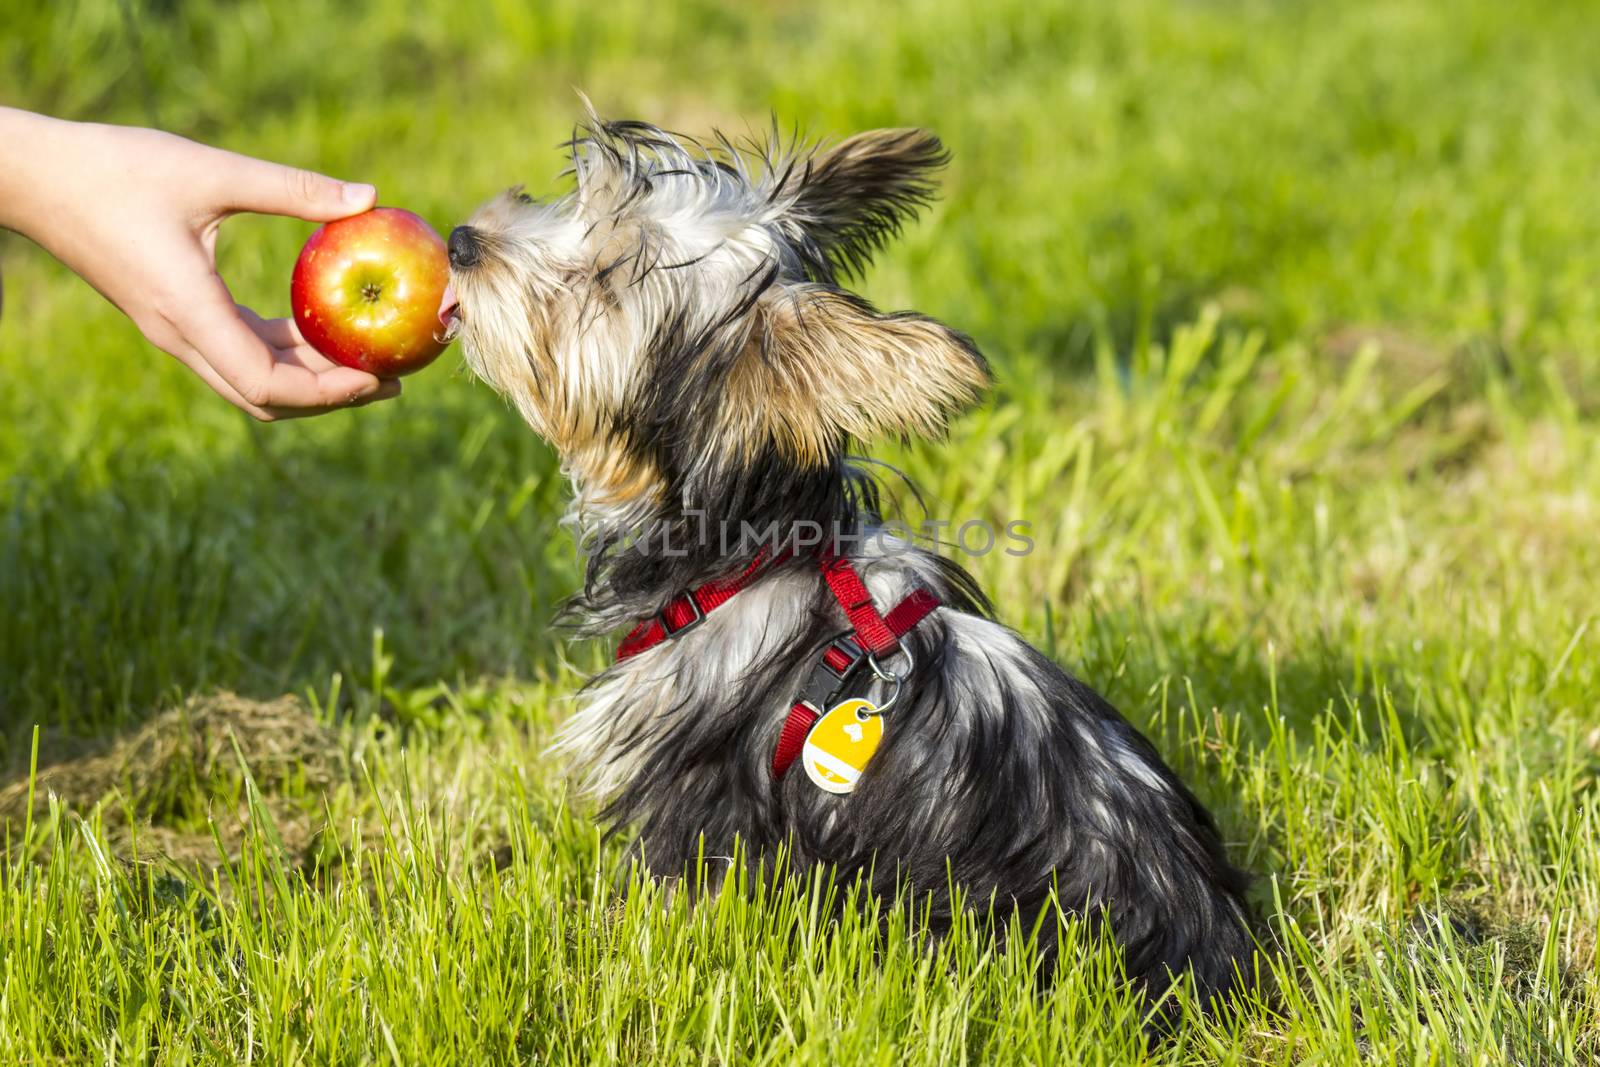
793, 738
803, 715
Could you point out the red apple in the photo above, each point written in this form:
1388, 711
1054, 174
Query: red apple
366, 291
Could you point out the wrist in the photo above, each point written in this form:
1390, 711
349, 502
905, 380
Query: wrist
31, 147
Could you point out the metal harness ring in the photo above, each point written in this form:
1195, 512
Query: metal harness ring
890, 676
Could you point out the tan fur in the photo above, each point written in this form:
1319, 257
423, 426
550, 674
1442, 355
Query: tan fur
823, 367
567, 296
555, 401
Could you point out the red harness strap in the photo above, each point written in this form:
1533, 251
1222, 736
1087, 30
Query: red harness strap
687, 611
871, 634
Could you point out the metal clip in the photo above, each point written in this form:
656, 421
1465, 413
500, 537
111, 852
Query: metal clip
890, 676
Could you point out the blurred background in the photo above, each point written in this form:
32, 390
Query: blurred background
1266, 286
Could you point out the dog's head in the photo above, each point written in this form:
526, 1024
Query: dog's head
678, 315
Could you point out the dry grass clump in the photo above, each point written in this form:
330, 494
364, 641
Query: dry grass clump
163, 787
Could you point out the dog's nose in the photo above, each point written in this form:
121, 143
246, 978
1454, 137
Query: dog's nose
464, 250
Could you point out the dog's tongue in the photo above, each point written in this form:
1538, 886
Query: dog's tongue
449, 315
448, 306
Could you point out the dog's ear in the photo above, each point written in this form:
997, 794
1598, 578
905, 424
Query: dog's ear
822, 366
849, 200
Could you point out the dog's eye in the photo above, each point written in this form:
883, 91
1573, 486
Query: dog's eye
524, 198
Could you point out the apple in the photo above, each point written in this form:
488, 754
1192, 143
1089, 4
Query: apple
366, 291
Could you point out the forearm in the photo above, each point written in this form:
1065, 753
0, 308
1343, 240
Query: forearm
134, 212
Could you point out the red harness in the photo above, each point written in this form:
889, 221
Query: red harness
871, 635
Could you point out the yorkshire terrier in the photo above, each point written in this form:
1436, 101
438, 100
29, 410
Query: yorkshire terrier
676, 327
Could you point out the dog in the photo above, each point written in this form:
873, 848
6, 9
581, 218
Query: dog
677, 328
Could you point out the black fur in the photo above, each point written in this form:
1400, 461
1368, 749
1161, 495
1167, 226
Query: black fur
850, 209
999, 773
995, 798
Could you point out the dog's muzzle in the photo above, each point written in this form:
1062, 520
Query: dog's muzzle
465, 253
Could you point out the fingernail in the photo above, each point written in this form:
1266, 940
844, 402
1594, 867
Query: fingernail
359, 194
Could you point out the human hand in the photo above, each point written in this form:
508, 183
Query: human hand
135, 212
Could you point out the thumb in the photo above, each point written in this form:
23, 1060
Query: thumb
271, 189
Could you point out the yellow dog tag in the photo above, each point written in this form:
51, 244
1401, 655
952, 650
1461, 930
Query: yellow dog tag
840, 744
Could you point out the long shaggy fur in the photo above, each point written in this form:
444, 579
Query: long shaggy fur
675, 326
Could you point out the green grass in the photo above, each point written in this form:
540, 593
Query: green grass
1294, 311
